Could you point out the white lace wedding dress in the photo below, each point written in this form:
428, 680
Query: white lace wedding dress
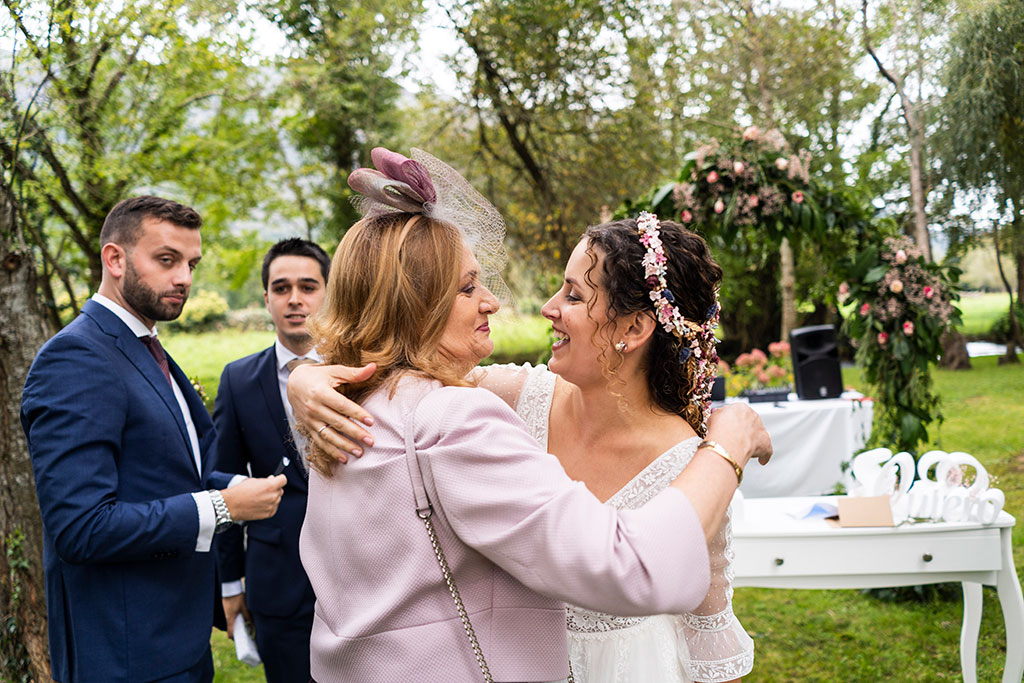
707, 645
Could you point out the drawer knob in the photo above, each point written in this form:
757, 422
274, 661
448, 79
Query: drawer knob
927, 557
779, 561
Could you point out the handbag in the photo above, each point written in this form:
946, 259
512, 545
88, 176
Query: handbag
425, 511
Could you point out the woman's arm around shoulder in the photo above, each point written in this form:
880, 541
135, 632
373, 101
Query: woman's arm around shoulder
511, 501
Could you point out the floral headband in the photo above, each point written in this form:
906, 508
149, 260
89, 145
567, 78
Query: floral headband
696, 340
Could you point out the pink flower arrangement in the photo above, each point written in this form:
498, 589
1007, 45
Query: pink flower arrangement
719, 205
713, 177
777, 349
882, 338
757, 370
686, 216
908, 328
798, 197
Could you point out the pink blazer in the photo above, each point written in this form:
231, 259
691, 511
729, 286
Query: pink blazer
520, 536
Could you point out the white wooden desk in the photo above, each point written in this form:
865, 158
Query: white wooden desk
774, 550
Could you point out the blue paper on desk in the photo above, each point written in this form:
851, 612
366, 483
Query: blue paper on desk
817, 511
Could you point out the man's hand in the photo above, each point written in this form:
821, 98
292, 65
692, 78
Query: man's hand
330, 419
254, 498
232, 607
739, 429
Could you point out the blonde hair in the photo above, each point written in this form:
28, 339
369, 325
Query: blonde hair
392, 285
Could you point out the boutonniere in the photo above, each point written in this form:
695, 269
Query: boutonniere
198, 386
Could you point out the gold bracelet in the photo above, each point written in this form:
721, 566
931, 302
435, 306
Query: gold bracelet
720, 450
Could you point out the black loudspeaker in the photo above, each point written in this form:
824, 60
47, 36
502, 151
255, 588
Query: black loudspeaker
718, 389
815, 355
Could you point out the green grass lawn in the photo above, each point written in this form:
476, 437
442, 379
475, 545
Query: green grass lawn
808, 635
980, 310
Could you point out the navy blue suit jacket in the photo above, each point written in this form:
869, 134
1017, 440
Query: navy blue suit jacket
128, 597
253, 435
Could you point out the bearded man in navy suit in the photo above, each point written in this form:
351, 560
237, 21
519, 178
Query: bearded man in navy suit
254, 421
120, 445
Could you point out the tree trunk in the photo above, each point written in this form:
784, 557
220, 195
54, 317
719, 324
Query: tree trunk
23, 639
915, 128
1014, 332
954, 351
787, 285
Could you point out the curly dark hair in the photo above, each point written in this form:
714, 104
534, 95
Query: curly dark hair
693, 277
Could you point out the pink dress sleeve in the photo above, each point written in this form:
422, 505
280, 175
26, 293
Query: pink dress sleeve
512, 502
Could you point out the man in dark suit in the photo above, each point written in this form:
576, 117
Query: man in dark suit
120, 446
254, 421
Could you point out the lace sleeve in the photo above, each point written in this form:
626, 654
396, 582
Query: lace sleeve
504, 380
720, 650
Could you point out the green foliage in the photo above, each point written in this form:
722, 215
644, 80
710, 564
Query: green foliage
902, 305
105, 100
1000, 330
744, 195
340, 96
205, 310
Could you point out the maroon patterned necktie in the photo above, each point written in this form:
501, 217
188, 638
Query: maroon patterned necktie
153, 344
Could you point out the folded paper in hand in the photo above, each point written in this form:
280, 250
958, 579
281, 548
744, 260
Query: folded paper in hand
245, 646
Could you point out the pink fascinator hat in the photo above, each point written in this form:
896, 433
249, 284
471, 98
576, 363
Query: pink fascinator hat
426, 185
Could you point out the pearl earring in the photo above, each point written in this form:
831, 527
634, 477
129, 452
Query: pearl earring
620, 347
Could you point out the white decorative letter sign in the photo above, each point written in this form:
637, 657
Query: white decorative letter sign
941, 492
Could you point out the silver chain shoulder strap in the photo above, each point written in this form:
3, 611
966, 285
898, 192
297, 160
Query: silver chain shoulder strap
425, 511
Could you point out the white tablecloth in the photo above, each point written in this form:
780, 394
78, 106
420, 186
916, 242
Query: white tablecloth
811, 440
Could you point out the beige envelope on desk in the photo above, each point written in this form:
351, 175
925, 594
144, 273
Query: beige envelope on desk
863, 511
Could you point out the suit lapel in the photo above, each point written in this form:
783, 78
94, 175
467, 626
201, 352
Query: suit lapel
137, 354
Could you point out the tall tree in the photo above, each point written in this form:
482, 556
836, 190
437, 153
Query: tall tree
983, 141
911, 70
24, 650
340, 87
106, 99
786, 68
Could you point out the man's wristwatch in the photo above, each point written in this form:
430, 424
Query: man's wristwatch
220, 509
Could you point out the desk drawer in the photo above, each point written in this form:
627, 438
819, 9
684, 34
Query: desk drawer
850, 554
